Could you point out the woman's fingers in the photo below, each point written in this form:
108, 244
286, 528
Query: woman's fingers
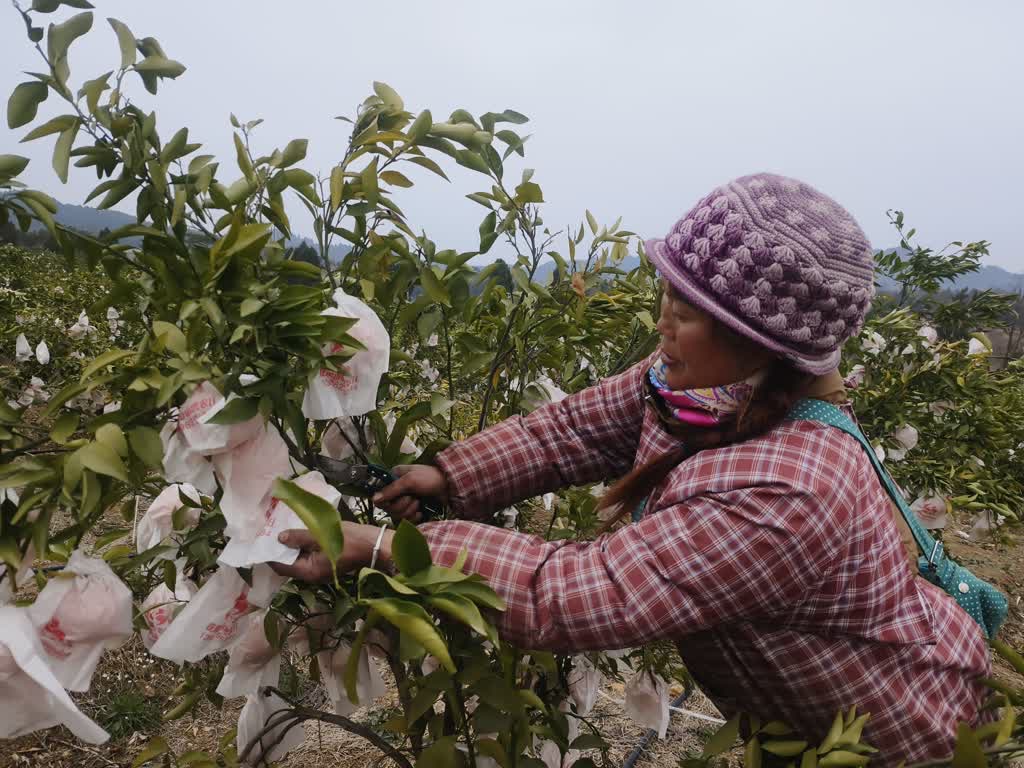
297, 538
310, 564
406, 508
403, 486
304, 568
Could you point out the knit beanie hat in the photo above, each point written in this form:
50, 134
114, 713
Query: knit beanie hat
776, 261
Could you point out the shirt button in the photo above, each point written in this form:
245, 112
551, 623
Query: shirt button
964, 588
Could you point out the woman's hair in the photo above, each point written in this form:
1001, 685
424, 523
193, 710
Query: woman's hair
768, 405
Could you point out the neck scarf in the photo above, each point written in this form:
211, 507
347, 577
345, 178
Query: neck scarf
704, 406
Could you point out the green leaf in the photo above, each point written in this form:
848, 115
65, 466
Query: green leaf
440, 404
154, 748
49, 6
368, 176
784, 748
126, 40
724, 738
170, 336
319, 516
463, 610
368, 576
966, 754
389, 96
64, 427
840, 758
478, 592
237, 409
395, 179
521, 278
429, 164
250, 306
441, 754
592, 222
145, 442
160, 67
110, 537
411, 619
24, 103
112, 436
529, 192
59, 38
293, 152
103, 460
420, 126
433, 286
62, 152
409, 550
101, 361
12, 165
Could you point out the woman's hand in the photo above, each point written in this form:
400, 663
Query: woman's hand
399, 499
314, 567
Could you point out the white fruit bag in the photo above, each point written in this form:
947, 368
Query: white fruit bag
162, 605
931, 511
369, 684
258, 709
263, 546
247, 474
351, 390
584, 684
158, 522
211, 622
208, 439
647, 702
265, 584
31, 697
182, 464
253, 662
80, 613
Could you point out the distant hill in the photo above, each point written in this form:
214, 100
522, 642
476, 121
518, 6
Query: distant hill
987, 278
88, 219
93, 220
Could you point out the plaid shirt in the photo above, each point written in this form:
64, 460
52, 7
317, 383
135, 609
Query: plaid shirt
775, 564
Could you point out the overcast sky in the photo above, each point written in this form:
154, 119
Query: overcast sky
637, 108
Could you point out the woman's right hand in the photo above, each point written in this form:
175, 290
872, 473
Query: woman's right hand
401, 498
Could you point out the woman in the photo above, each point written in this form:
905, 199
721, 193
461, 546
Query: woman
766, 548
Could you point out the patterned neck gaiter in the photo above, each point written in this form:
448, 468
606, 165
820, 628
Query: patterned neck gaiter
705, 406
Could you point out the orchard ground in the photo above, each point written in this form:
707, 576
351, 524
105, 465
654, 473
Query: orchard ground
133, 690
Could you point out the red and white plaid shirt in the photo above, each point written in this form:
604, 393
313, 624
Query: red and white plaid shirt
774, 563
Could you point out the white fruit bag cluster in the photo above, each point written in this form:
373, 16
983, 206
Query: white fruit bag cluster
162, 605
210, 622
31, 697
157, 524
253, 662
369, 683
258, 542
351, 390
79, 614
584, 684
259, 708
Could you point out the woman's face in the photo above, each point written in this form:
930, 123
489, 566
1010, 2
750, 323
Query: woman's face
700, 352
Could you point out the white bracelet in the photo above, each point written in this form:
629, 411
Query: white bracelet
376, 546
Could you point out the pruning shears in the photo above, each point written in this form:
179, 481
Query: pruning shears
366, 479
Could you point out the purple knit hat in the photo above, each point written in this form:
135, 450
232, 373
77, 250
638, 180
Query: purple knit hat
777, 262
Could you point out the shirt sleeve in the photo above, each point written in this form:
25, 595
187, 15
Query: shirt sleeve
738, 555
589, 436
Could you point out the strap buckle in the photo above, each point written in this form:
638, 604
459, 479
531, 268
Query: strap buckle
936, 550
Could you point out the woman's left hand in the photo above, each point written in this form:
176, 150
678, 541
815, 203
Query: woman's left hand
314, 566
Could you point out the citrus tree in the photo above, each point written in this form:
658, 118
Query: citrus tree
241, 366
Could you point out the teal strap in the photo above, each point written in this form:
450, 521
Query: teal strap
819, 410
